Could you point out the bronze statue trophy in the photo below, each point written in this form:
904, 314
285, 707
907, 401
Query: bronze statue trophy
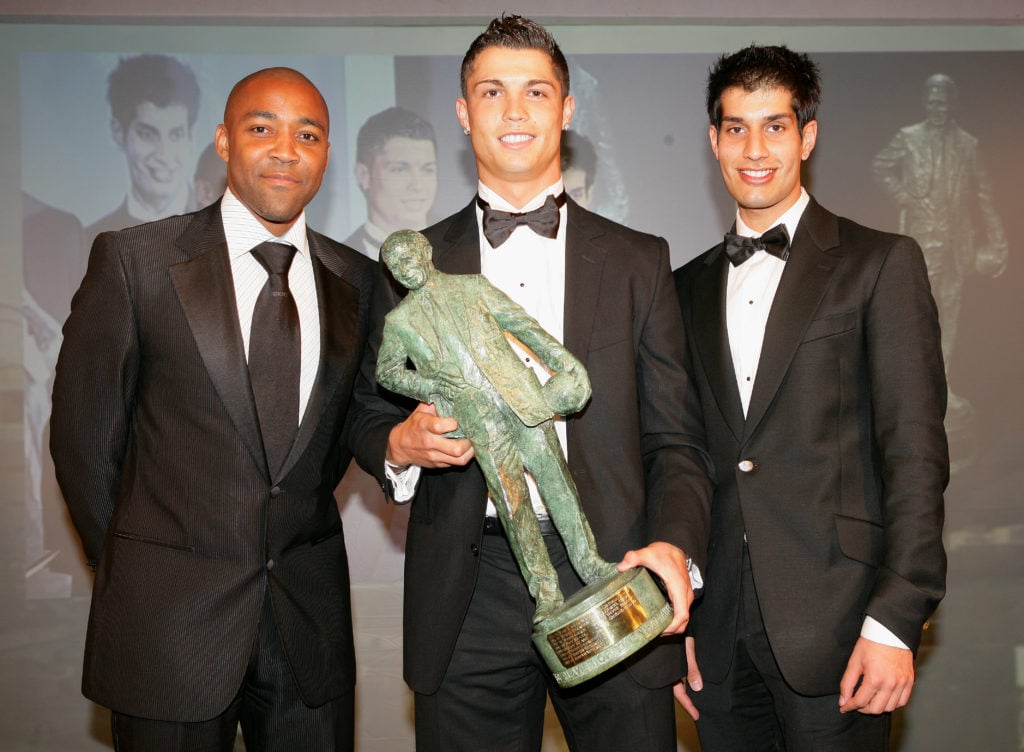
454, 328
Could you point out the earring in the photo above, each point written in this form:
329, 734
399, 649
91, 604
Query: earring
565, 127
466, 131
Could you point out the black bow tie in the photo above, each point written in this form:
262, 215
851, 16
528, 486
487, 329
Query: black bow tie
775, 242
499, 225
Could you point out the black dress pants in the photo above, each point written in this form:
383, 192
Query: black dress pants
268, 707
493, 695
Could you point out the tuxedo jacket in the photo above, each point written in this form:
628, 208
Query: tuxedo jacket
158, 452
640, 470
836, 475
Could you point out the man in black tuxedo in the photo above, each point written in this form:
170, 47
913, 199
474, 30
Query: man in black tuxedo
606, 292
820, 375
198, 454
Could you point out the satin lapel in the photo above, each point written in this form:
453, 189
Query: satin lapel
804, 282
584, 264
459, 251
207, 295
338, 304
711, 334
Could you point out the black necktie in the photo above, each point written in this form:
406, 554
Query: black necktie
275, 354
498, 225
775, 241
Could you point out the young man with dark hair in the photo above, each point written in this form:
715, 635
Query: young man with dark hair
396, 168
605, 292
153, 100
815, 350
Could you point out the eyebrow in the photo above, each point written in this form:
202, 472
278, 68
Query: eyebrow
500, 83
767, 118
267, 115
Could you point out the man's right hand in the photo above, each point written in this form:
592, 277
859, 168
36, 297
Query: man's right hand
420, 440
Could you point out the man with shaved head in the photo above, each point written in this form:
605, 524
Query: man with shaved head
197, 433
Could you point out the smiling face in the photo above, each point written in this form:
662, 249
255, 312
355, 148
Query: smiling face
156, 143
401, 183
515, 112
760, 148
274, 139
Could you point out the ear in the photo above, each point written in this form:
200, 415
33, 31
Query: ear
462, 113
117, 132
363, 176
713, 137
568, 108
808, 139
220, 141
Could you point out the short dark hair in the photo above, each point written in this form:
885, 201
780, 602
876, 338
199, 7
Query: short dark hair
394, 122
766, 67
516, 33
577, 151
160, 79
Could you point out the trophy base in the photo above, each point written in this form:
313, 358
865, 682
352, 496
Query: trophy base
604, 623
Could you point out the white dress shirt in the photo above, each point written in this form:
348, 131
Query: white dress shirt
243, 233
750, 292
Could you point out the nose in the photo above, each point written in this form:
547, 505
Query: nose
284, 148
514, 108
161, 150
754, 148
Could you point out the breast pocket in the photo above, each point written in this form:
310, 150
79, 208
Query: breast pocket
830, 326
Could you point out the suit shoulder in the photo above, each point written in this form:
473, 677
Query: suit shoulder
354, 265
437, 231
597, 224
139, 238
687, 270
853, 233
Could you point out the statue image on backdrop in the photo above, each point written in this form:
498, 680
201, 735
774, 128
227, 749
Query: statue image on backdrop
454, 328
934, 172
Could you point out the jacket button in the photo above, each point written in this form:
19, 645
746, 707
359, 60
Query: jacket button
474, 549
270, 564
746, 466
275, 492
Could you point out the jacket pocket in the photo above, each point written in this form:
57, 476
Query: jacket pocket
861, 540
153, 541
828, 326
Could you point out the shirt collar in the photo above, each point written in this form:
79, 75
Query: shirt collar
497, 202
244, 232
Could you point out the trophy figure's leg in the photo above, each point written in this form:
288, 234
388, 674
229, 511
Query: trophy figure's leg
547, 465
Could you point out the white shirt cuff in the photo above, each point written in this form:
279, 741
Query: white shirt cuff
876, 632
403, 481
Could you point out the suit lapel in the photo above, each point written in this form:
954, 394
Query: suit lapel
459, 251
710, 330
338, 304
584, 265
801, 289
207, 295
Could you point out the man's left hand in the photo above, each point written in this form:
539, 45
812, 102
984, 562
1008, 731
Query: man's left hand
885, 674
669, 563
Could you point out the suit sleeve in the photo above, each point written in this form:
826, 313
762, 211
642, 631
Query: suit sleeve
375, 410
93, 394
677, 466
908, 401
